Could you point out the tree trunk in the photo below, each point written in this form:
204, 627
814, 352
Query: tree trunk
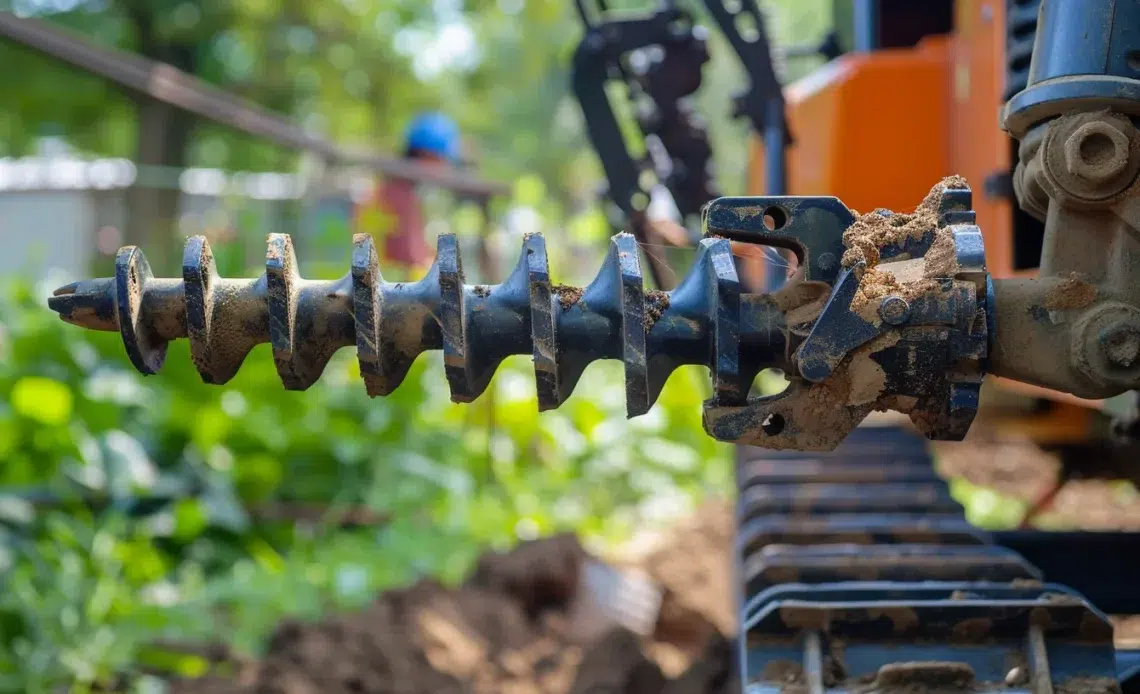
163, 139
152, 214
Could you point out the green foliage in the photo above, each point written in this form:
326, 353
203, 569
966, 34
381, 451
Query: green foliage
357, 70
88, 591
987, 508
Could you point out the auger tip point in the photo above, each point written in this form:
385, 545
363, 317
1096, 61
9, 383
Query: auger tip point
61, 302
65, 290
64, 305
87, 304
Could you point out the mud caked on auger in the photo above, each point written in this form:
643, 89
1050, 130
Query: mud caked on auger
866, 322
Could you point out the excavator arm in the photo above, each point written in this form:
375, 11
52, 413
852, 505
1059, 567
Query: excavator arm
677, 151
658, 57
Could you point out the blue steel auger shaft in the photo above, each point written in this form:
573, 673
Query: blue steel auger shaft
916, 343
703, 321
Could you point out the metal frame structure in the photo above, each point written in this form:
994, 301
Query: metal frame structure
788, 500
169, 85
678, 152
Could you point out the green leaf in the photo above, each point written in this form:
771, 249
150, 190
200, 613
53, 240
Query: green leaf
468, 220
141, 561
43, 400
258, 476
987, 508
190, 519
591, 227
177, 664
529, 191
265, 556
210, 427
9, 437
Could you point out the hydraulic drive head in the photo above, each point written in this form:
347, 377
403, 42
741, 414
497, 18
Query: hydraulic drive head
918, 347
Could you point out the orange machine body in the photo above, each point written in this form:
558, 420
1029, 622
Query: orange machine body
870, 129
878, 129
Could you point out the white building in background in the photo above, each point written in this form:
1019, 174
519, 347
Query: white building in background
59, 212
51, 209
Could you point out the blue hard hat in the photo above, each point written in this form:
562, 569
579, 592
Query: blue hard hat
433, 133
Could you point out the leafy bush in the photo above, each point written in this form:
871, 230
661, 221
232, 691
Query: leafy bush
96, 569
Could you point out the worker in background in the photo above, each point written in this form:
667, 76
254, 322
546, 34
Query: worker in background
394, 215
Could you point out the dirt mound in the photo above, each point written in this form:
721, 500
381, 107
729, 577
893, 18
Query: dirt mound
1010, 465
512, 627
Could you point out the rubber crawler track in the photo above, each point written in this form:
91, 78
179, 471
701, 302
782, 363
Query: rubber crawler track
859, 573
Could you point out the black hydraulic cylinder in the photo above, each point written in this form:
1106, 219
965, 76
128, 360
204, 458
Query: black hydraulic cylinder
1086, 55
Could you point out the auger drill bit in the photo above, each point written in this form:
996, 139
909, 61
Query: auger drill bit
563, 328
921, 353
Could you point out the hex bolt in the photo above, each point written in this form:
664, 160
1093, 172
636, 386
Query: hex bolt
894, 310
1105, 346
1097, 152
1121, 345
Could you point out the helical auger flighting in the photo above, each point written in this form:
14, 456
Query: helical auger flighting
707, 320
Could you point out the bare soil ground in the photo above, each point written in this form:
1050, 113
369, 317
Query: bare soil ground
1018, 469
1014, 468
511, 627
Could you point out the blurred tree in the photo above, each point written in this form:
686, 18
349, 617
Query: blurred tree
172, 32
354, 70
302, 59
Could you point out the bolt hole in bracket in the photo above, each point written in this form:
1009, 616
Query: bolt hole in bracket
922, 354
810, 227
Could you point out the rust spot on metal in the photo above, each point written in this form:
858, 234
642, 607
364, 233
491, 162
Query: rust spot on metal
656, 302
567, 296
1072, 292
924, 676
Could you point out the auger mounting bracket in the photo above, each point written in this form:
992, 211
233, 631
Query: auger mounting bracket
896, 330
